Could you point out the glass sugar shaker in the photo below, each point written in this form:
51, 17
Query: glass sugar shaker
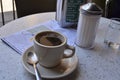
89, 17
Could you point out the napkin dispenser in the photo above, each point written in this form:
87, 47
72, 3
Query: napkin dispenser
68, 11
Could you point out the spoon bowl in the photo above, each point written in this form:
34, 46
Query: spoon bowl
33, 60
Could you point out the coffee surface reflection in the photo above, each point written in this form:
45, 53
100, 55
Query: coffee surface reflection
50, 41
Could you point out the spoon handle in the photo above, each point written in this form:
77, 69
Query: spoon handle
37, 74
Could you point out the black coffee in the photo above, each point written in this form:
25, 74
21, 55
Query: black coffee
49, 40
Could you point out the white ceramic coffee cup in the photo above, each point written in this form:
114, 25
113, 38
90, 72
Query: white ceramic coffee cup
50, 56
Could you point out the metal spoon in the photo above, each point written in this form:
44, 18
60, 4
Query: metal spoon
32, 59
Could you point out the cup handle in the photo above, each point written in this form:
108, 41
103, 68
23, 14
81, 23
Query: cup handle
69, 51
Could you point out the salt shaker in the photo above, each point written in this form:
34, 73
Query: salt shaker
88, 22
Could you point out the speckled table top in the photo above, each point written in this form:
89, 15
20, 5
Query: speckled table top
100, 63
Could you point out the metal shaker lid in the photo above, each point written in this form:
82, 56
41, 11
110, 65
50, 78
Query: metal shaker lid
91, 9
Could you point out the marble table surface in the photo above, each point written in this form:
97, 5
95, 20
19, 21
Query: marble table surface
100, 63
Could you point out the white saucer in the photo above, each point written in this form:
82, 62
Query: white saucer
66, 67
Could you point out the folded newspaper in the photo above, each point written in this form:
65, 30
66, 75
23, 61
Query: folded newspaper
22, 40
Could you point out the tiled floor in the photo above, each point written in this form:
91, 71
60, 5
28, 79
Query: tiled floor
8, 16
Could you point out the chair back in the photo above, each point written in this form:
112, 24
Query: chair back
27, 7
113, 9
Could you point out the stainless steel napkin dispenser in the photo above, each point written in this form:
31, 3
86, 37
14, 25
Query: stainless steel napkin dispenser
68, 11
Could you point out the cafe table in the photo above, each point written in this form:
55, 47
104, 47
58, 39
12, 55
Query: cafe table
99, 63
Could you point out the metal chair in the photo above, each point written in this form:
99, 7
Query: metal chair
2, 13
112, 8
27, 7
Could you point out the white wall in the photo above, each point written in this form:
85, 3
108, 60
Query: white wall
7, 5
